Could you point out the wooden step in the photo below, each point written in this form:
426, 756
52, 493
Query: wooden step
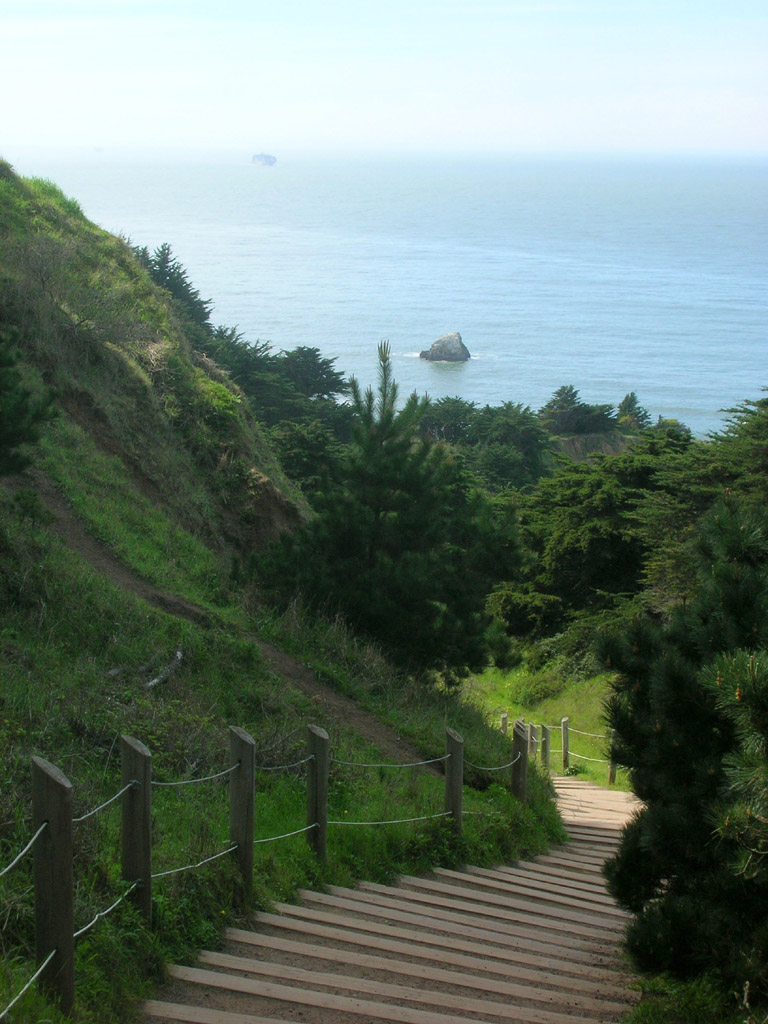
534, 881
529, 943
474, 975
542, 892
387, 1011
436, 995
474, 957
501, 930
498, 945
569, 918
454, 913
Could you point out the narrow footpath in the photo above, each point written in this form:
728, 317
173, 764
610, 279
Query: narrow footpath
536, 942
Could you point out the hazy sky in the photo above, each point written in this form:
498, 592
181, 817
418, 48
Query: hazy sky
461, 76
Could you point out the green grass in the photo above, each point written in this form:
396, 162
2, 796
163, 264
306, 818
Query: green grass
76, 655
104, 497
546, 697
700, 1001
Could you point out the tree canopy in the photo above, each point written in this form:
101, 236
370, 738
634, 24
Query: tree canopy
689, 707
402, 545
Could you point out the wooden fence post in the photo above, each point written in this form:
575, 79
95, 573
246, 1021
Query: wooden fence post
317, 789
504, 723
533, 741
545, 747
520, 756
612, 766
454, 776
242, 793
136, 767
54, 881
566, 753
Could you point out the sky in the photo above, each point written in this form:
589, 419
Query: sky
304, 77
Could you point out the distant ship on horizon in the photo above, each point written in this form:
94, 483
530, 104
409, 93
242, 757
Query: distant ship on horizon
265, 159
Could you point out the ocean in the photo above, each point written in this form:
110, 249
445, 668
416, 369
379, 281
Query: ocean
612, 276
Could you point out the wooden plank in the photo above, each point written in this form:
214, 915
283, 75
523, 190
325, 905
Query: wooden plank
574, 858
350, 1004
549, 893
581, 832
570, 873
602, 805
586, 825
510, 932
517, 951
184, 1014
593, 882
571, 989
565, 918
541, 1001
549, 882
583, 836
573, 861
443, 909
469, 956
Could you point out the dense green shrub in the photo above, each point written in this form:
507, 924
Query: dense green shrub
698, 757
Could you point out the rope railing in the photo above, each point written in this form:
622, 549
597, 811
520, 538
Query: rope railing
53, 797
394, 821
565, 730
389, 764
283, 767
497, 768
192, 867
107, 912
90, 814
597, 760
29, 984
286, 835
20, 856
196, 782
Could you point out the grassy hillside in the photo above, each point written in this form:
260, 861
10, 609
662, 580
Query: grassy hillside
119, 548
93, 327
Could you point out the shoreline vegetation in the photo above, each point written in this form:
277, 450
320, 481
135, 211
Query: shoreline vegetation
166, 485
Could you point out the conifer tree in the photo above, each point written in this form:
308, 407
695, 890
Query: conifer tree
401, 545
740, 686
696, 910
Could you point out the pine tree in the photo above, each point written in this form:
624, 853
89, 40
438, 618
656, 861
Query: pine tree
401, 544
740, 686
695, 909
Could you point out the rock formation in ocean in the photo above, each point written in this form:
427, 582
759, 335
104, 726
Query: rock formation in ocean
448, 349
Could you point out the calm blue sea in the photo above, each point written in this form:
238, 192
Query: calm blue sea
612, 276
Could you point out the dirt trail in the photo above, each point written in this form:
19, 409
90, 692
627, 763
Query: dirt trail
331, 706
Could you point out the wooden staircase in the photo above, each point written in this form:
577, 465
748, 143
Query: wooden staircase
536, 942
